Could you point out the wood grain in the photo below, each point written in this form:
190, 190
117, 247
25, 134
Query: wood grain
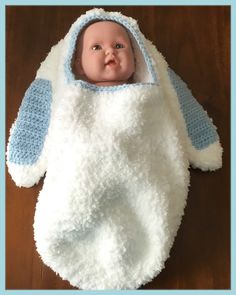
195, 41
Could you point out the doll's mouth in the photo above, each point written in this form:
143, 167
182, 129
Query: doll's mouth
111, 62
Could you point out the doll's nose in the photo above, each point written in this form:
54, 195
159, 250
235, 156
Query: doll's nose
110, 50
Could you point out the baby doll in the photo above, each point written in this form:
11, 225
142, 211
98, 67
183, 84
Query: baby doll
104, 55
116, 130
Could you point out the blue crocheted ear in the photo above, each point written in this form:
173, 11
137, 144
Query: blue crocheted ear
200, 128
28, 135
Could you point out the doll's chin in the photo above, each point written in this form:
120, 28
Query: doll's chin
109, 83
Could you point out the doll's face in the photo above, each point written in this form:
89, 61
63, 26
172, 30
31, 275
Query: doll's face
104, 54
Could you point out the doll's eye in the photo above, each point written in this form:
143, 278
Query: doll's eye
119, 45
96, 47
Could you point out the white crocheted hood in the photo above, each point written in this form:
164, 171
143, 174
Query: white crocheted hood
144, 72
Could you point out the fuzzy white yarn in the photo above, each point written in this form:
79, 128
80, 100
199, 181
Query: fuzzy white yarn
115, 188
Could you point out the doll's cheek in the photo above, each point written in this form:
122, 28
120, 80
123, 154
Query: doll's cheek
78, 66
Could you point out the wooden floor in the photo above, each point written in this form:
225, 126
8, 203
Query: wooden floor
196, 43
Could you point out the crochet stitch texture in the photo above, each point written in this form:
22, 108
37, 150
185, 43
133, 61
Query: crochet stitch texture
31, 126
200, 128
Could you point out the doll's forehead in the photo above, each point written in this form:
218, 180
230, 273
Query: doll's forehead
105, 25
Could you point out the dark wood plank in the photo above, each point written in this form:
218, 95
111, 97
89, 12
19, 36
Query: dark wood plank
196, 43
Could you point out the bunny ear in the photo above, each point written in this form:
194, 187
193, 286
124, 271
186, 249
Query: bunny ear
205, 151
28, 133
28, 141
